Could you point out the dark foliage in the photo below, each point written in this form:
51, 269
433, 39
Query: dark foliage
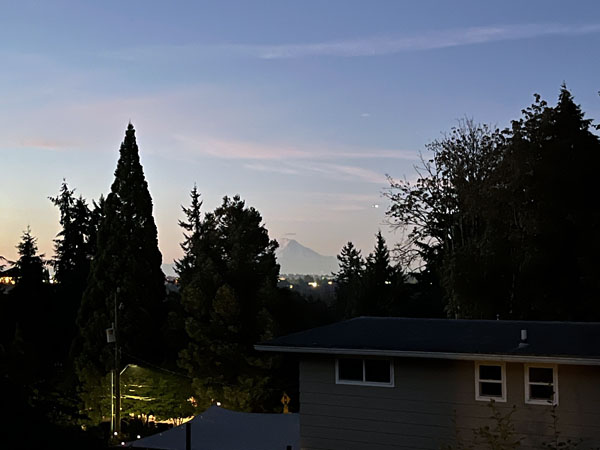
503, 219
125, 271
228, 282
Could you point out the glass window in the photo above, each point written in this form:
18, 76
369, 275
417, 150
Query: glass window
377, 371
490, 381
541, 384
372, 372
350, 369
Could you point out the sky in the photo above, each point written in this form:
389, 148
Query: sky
302, 108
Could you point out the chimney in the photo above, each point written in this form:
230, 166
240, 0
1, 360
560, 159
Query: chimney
523, 342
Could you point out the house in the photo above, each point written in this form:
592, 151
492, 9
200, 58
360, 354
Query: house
397, 383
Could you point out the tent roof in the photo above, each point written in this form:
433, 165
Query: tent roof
221, 429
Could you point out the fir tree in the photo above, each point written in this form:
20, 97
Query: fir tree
126, 272
228, 282
31, 269
381, 281
72, 252
349, 280
191, 234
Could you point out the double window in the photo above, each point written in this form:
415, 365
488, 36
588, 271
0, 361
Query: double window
370, 372
541, 384
490, 381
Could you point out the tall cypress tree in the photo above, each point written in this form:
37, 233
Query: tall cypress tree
126, 272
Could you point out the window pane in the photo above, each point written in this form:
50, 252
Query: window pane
350, 369
541, 392
490, 372
377, 371
540, 374
490, 389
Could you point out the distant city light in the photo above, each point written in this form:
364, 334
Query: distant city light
330, 282
375, 205
313, 284
291, 286
388, 282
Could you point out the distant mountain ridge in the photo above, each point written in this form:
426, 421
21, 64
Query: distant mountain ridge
294, 257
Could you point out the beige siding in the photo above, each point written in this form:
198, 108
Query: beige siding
428, 398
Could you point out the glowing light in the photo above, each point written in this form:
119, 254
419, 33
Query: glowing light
115, 433
218, 403
138, 436
313, 284
330, 282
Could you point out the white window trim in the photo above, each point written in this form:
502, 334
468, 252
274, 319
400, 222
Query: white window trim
502, 381
530, 401
364, 383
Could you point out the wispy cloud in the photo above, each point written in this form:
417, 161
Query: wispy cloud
272, 169
386, 45
363, 46
322, 169
234, 149
45, 144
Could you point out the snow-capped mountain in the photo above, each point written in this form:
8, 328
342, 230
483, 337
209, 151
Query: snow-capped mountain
293, 257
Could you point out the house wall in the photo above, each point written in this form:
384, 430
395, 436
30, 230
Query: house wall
429, 396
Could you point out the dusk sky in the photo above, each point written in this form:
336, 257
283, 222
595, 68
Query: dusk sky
300, 107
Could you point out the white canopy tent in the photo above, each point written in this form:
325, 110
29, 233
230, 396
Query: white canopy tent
220, 429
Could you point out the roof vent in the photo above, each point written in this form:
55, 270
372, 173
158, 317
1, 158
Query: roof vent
523, 342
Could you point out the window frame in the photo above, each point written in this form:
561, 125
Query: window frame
363, 382
502, 381
528, 399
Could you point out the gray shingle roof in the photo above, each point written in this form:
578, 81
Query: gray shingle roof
378, 335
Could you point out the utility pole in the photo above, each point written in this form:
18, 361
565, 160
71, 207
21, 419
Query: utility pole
117, 376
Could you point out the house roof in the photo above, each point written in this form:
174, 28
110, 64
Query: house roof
229, 430
564, 342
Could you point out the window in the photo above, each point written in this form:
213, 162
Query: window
490, 381
541, 384
370, 372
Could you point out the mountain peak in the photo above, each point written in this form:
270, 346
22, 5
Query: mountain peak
295, 258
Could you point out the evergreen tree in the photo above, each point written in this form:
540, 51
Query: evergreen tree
192, 229
382, 282
125, 273
31, 272
72, 247
349, 282
228, 282
73, 253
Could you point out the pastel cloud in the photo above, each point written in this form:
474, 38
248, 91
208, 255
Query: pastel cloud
386, 45
246, 150
362, 46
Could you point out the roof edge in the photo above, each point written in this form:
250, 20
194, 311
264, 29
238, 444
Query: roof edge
433, 355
